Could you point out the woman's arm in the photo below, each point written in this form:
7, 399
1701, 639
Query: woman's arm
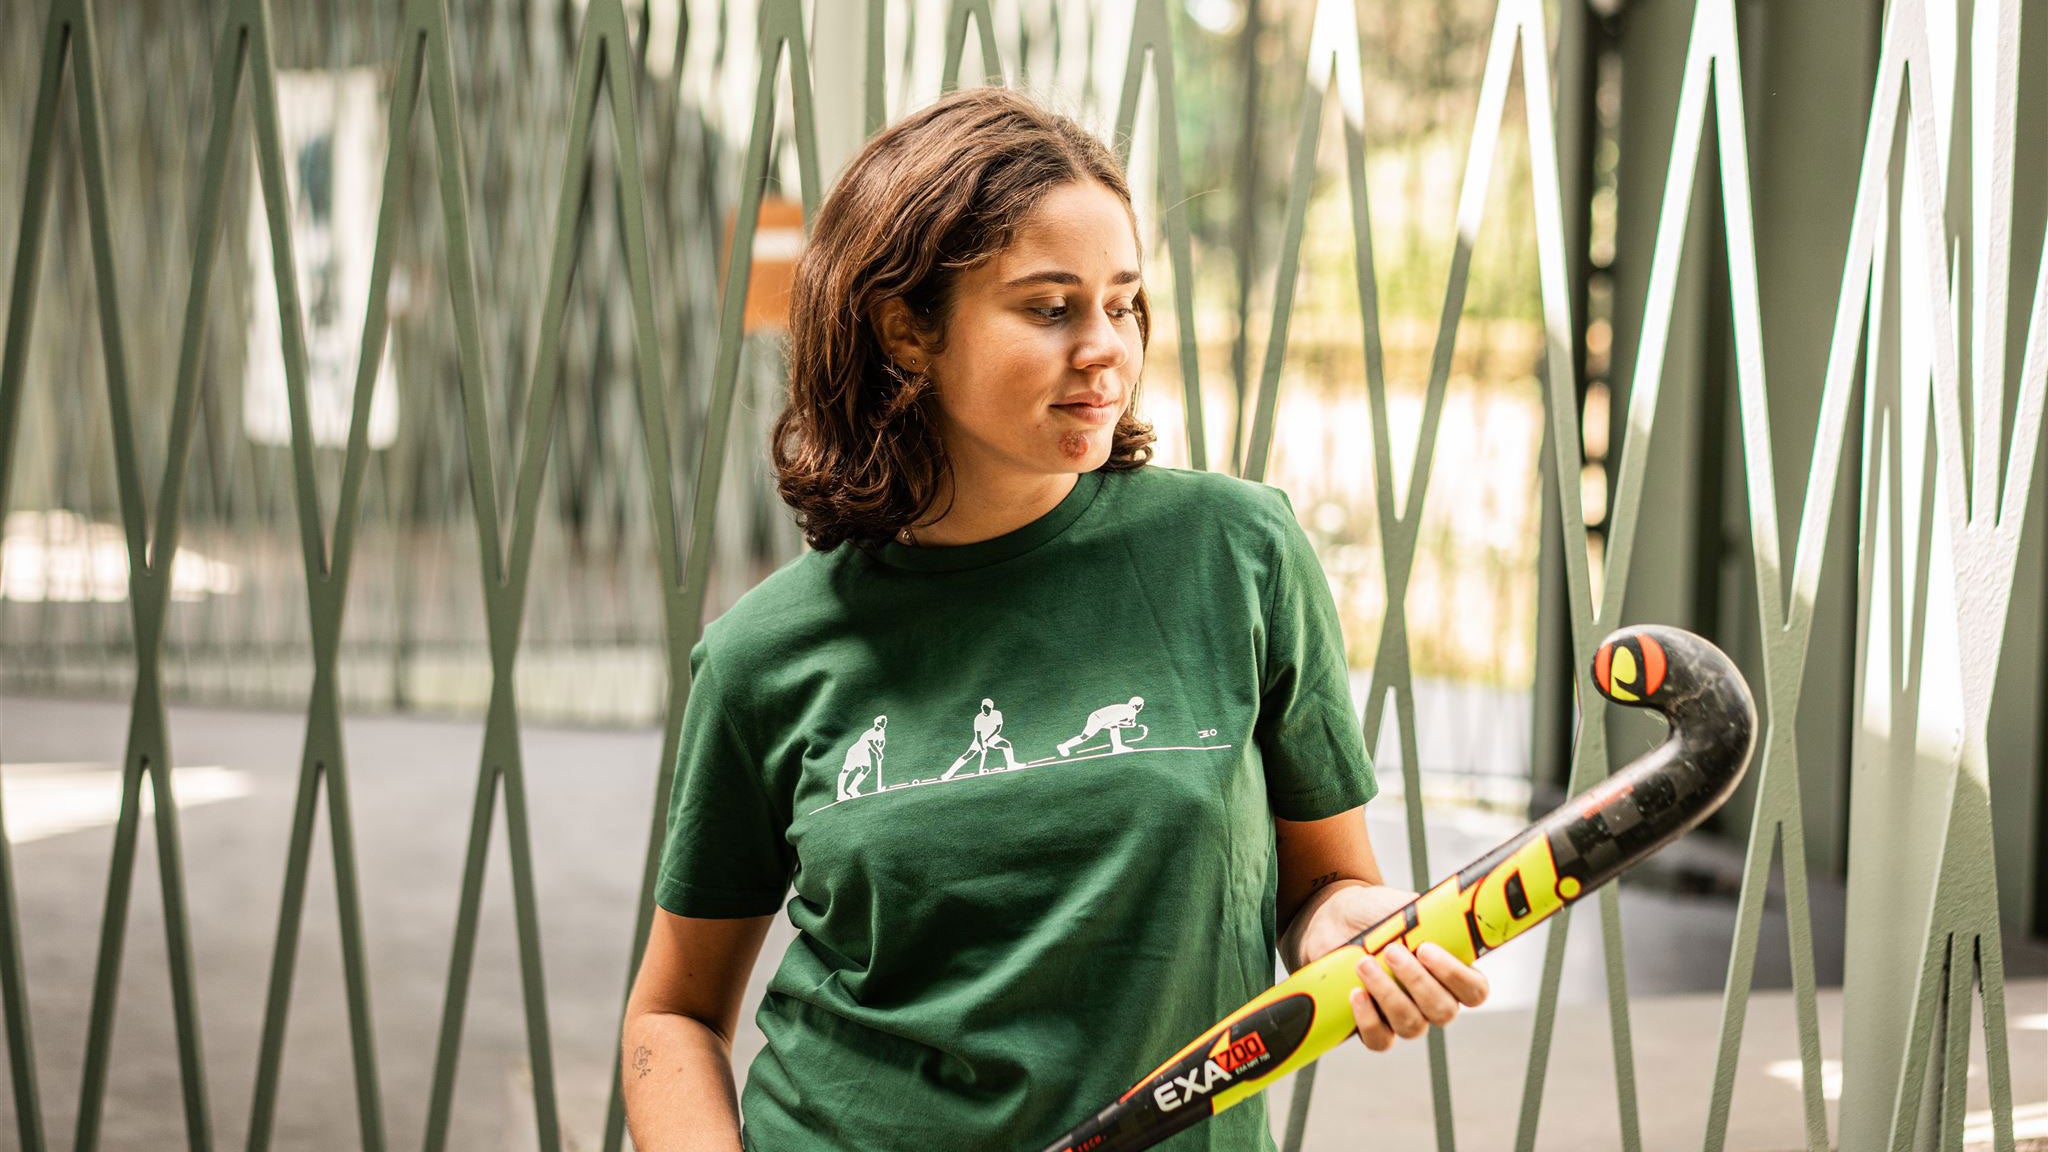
1330, 891
1319, 861
677, 1042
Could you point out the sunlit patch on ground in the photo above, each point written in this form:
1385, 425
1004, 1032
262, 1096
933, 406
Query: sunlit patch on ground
45, 800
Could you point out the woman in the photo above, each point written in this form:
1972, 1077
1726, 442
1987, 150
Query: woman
986, 949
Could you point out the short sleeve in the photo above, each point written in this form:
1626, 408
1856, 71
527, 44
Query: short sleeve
726, 854
1308, 733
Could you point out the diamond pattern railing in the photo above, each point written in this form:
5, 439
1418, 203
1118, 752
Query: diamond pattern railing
1900, 337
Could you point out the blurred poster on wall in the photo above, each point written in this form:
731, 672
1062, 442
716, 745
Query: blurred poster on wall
332, 128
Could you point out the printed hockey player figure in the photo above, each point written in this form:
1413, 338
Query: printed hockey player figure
988, 733
864, 757
1116, 718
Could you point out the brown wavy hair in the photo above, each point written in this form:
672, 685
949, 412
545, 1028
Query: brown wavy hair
857, 450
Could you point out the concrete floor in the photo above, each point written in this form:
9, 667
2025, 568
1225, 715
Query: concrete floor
413, 783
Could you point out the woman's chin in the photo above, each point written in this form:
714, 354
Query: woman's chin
1066, 452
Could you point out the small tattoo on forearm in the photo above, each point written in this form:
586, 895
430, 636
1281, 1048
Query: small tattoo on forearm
643, 1061
1323, 881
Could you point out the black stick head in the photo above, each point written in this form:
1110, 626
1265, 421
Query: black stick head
1692, 684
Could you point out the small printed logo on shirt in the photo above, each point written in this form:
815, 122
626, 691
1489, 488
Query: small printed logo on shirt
1110, 730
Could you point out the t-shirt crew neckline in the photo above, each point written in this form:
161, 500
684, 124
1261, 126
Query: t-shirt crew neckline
1008, 546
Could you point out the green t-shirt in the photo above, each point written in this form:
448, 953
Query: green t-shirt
1024, 790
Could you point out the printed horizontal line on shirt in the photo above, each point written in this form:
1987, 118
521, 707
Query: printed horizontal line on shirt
1094, 754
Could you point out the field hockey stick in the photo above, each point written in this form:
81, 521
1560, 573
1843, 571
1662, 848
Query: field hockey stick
1584, 843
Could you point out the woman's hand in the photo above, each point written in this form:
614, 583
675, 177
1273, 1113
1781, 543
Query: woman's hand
1413, 990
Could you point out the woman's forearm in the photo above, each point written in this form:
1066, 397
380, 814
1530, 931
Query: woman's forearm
678, 1085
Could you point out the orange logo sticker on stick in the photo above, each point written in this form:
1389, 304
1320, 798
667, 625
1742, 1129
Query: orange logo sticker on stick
1653, 665
1624, 674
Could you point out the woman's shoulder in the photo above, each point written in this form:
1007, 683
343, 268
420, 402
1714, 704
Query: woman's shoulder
1191, 495
776, 612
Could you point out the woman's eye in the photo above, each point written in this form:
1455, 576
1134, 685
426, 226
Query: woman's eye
1051, 312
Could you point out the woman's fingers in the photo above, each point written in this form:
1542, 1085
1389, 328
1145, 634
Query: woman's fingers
1423, 989
1431, 998
1372, 1030
1455, 976
1400, 1009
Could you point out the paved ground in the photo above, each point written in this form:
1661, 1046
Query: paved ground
413, 785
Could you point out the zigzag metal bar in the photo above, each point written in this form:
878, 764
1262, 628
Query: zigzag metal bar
619, 92
93, 159
1152, 39
329, 605
1960, 972
1303, 172
1906, 641
1516, 24
1393, 666
1989, 976
21, 1057
781, 26
1962, 906
1976, 512
1712, 56
1985, 551
1589, 760
1909, 53
150, 565
429, 18
649, 375
322, 759
874, 82
956, 43
1779, 816
250, 24
505, 599
2027, 422
1963, 912
781, 30
1334, 59
1993, 101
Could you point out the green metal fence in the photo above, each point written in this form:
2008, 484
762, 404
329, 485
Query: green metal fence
1944, 492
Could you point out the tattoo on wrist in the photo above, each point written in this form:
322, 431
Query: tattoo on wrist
1321, 882
643, 1060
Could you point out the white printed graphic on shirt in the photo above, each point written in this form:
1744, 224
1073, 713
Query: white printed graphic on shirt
860, 775
988, 733
1116, 718
864, 757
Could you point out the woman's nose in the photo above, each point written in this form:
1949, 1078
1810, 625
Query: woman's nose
1100, 345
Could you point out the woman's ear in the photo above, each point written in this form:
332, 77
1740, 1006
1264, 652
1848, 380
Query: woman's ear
897, 328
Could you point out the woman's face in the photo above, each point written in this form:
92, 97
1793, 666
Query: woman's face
1041, 347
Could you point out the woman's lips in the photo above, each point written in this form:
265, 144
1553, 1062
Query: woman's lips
1090, 413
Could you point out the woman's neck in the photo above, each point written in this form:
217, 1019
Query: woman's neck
982, 506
